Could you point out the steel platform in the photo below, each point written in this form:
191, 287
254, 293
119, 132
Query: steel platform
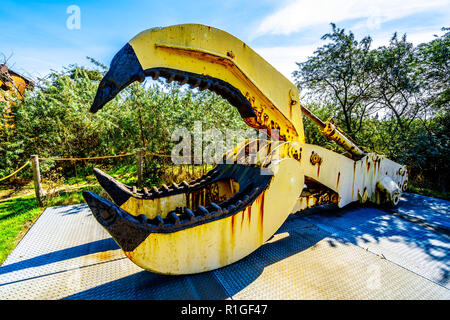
324, 253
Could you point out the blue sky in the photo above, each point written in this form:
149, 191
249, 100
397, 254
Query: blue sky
36, 39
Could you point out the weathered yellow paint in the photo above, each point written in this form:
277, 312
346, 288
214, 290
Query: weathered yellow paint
154, 207
151, 208
209, 51
343, 175
333, 132
350, 178
221, 242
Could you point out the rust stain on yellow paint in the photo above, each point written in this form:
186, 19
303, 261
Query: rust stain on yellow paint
261, 214
337, 183
353, 184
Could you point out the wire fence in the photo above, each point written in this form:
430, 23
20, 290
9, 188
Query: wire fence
189, 170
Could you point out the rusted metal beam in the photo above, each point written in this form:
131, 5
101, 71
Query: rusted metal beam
333, 132
313, 117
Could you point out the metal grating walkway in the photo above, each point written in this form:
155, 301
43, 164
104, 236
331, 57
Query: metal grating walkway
350, 253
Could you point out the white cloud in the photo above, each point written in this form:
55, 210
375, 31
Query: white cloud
38, 62
284, 58
414, 36
304, 13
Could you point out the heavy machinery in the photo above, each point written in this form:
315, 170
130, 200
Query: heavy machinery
233, 209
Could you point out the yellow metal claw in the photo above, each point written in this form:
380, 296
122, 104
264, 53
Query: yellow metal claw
232, 210
205, 50
196, 243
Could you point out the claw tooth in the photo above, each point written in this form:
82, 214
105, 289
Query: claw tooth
255, 191
156, 75
134, 190
184, 81
196, 83
165, 187
175, 186
155, 189
190, 214
185, 184
217, 207
206, 86
203, 210
171, 78
225, 90
146, 191
159, 221
142, 218
174, 217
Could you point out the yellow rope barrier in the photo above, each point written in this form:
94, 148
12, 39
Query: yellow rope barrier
91, 158
165, 155
15, 172
115, 156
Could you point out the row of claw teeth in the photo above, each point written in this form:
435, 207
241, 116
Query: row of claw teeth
155, 191
193, 81
185, 216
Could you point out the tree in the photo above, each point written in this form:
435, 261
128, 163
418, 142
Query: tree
54, 120
397, 84
340, 74
434, 58
393, 99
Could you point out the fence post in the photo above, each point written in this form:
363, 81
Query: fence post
37, 179
140, 157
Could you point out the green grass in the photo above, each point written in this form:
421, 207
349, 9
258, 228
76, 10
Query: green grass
428, 192
16, 217
125, 173
75, 196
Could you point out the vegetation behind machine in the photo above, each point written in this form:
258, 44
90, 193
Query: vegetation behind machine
392, 100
